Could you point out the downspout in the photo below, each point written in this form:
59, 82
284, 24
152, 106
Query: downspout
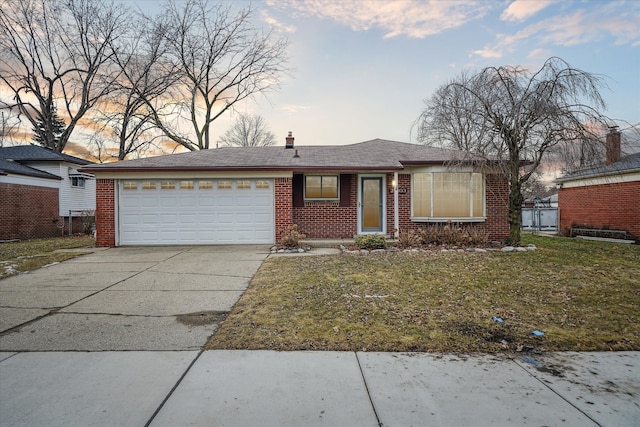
396, 219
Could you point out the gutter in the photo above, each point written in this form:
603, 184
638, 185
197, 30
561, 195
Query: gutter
598, 175
98, 170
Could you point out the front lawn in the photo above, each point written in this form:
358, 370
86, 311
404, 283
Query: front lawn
27, 255
583, 295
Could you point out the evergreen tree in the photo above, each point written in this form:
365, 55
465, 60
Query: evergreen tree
47, 133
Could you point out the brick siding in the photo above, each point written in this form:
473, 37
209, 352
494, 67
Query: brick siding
29, 212
607, 206
283, 203
323, 220
330, 219
105, 213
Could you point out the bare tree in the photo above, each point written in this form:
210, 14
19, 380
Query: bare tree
248, 131
8, 123
223, 60
513, 117
124, 118
54, 54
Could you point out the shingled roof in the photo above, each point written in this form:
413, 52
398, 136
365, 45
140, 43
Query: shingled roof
630, 163
12, 167
35, 153
377, 154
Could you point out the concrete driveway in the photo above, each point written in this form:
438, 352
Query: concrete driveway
134, 298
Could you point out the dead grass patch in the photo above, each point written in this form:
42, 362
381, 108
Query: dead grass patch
27, 255
584, 295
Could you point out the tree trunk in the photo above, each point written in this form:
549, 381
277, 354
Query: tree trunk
515, 219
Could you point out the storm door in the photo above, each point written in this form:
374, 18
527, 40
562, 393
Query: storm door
371, 205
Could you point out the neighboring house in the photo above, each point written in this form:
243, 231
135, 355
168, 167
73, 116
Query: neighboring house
605, 197
252, 194
40, 191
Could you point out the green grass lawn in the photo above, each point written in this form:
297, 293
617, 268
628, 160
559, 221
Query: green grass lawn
583, 295
27, 255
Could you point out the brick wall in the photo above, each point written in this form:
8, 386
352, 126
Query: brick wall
496, 223
330, 219
283, 202
105, 213
29, 212
606, 206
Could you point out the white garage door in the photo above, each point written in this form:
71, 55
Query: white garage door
177, 212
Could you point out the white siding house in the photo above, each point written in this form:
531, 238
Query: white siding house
42, 191
77, 190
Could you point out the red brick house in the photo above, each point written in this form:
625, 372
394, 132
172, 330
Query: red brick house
40, 190
252, 194
604, 197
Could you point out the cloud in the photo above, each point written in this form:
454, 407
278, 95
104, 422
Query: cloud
278, 25
294, 108
488, 53
521, 10
539, 53
607, 20
395, 18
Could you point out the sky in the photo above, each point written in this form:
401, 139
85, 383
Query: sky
362, 69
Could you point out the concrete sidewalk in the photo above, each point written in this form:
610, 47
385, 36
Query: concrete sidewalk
244, 388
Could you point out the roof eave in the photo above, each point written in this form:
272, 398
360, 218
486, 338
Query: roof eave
77, 162
97, 170
597, 175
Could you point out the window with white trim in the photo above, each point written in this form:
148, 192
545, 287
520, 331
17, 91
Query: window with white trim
78, 181
321, 187
447, 195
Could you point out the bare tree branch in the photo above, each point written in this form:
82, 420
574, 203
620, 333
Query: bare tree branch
124, 116
248, 131
55, 55
515, 118
223, 60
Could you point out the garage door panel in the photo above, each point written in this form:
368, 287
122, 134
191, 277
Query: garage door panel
196, 216
148, 202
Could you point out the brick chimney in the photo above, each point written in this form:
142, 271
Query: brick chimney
613, 145
289, 140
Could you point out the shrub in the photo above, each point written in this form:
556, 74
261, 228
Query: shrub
452, 234
371, 241
409, 239
291, 237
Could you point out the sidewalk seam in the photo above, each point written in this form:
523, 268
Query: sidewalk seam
556, 393
366, 386
175, 386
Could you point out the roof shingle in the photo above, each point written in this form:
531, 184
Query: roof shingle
376, 154
11, 167
36, 153
627, 163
